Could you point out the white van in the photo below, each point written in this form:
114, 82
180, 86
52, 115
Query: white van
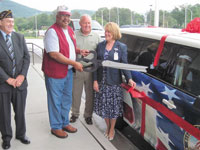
165, 106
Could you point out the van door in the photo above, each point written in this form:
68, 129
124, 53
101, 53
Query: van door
168, 116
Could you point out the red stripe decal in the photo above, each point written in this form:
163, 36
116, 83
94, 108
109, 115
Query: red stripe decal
165, 111
142, 130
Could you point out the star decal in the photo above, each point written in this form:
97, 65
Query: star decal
145, 88
164, 137
170, 93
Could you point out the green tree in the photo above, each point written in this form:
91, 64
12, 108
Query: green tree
113, 14
166, 20
43, 20
150, 17
179, 15
124, 16
20, 22
196, 11
16, 28
172, 19
138, 19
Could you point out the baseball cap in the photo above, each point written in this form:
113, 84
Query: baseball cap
63, 10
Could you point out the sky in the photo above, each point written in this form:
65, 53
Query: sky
139, 6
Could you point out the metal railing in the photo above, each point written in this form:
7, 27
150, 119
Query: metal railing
33, 52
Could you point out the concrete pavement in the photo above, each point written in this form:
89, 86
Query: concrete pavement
38, 129
88, 137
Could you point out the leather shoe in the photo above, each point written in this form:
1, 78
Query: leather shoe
89, 121
59, 133
5, 145
24, 140
73, 119
69, 129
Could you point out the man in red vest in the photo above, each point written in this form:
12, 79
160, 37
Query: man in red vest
58, 61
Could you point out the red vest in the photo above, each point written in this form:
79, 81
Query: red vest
51, 67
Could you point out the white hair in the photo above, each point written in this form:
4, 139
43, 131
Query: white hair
85, 15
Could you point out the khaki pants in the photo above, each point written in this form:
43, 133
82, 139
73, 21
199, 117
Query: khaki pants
82, 79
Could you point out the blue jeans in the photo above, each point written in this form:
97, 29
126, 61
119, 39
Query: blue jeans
59, 96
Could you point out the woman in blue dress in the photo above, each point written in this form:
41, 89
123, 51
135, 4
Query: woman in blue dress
108, 102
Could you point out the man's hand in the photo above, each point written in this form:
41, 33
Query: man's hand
12, 82
19, 80
84, 52
78, 66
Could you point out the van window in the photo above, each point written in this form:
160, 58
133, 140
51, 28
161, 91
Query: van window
130, 42
180, 68
178, 65
147, 53
135, 46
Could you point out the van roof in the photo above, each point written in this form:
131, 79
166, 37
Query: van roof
173, 35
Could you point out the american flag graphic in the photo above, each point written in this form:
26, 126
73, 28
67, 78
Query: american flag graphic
172, 107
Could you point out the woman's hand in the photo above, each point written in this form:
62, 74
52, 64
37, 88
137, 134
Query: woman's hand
96, 86
131, 83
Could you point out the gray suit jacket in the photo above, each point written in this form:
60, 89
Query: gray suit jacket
22, 59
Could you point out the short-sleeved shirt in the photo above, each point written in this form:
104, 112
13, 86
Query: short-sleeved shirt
88, 42
51, 43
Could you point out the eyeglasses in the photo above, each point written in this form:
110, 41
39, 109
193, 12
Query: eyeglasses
64, 15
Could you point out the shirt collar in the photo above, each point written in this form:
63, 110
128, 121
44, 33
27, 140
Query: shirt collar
90, 34
4, 34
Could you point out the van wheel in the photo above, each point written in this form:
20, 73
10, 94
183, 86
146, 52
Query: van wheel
120, 124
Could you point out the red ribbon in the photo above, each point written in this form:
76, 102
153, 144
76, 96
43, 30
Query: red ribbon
159, 51
193, 26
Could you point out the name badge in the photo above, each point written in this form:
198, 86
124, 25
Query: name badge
116, 56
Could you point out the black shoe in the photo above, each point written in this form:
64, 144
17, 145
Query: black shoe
89, 120
5, 145
73, 119
24, 140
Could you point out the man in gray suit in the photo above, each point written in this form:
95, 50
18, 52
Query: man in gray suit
14, 64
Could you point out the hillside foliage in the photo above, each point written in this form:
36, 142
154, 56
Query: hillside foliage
27, 20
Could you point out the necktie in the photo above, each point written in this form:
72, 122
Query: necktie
10, 48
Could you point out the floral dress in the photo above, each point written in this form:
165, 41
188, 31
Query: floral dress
108, 101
